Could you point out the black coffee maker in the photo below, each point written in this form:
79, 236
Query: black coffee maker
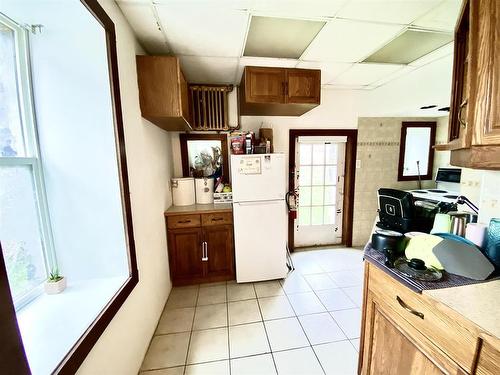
398, 211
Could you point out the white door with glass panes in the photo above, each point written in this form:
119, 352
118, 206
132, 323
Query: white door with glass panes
319, 180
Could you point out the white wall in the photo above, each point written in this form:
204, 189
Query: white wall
122, 346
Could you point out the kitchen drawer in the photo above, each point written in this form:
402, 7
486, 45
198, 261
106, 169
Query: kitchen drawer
217, 218
443, 327
183, 221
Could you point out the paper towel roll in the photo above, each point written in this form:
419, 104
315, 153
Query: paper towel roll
476, 232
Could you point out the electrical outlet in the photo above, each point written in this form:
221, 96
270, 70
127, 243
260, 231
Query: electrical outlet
358, 164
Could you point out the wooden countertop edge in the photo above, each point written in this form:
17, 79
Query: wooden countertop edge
194, 211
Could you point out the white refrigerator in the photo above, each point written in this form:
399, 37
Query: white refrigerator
260, 216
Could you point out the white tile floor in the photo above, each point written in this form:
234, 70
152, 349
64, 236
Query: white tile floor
308, 323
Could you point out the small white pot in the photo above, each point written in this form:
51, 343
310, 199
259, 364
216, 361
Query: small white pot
56, 287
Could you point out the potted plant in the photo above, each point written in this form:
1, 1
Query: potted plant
55, 283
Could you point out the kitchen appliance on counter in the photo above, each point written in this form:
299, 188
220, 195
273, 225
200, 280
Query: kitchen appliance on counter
398, 211
183, 192
260, 216
204, 190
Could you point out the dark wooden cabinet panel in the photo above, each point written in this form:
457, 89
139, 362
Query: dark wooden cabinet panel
279, 91
185, 250
200, 247
303, 86
163, 92
219, 240
264, 85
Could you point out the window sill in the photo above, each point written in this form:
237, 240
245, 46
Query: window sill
50, 325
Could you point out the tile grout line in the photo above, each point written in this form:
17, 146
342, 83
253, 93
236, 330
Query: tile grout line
228, 340
304, 331
191, 333
265, 330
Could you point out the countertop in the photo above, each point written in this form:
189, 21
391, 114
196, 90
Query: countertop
479, 303
199, 208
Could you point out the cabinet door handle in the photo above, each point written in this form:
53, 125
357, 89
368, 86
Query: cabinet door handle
217, 219
462, 123
204, 247
184, 221
408, 308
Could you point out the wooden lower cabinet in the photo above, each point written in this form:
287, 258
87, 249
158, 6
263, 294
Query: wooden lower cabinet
403, 332
202, 252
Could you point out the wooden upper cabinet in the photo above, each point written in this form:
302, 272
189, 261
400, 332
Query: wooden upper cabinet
474, 127
303, 86
279, 91
265, 85
163, 92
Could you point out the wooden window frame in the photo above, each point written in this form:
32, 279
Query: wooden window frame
349, 179
402, 148
12, 355
185, 137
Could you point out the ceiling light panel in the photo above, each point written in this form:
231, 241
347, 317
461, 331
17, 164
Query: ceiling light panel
210, 70
142, 20
349, 41
443, 17
446, 50
280, 37
410, 46
328, 70
391, 11
366, 74
203, 30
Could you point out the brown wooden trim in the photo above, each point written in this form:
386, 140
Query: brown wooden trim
349, 180
184, 137
402, 147
77, 354
12, 356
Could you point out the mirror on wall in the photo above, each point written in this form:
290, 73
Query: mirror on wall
416, 151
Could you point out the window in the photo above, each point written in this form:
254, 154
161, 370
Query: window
318, 183
24, 223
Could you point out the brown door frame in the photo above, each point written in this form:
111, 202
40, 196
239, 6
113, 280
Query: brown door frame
349, 179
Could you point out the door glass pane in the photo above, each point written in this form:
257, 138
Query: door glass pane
20, 230
305, 196
11, 135
318, 173
317, 215
329, 215
318, 153
330, 194
304, 176
305, 216
330, 175
305, 154
331, 153
317, 195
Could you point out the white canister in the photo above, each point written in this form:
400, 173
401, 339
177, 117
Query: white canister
183, 191
204, 190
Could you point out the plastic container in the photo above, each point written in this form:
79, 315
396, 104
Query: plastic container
183, 193
204, 190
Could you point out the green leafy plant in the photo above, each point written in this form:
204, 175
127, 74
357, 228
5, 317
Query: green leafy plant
54, 276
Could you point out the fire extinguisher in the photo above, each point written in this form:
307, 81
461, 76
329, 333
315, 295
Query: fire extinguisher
292, 199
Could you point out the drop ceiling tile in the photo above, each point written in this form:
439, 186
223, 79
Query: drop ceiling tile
211, 70
263, 61
203, 31
391, 11
298, 8
328, 70
443, 17
349, 41
141, 19
434, 55
392, 76
366, 74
